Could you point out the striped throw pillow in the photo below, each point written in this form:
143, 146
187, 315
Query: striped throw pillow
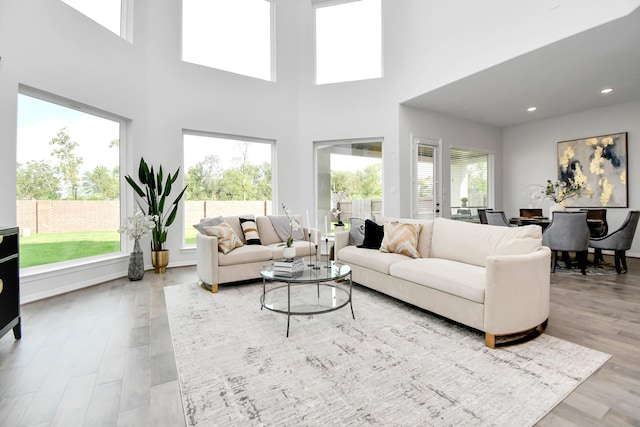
401, 238
250, 230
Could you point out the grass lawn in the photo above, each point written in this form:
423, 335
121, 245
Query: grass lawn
39, 249
190, 235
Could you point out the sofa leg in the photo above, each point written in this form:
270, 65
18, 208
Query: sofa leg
213, 288
490, 340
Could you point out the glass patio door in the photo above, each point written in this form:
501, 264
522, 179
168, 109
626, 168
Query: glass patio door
426, 204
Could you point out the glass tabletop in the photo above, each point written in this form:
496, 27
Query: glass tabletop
324, 272
306, 298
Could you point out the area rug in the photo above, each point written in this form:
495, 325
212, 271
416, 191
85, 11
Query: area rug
603, 269
393, 365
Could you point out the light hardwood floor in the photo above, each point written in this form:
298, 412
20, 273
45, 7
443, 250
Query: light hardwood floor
103, 355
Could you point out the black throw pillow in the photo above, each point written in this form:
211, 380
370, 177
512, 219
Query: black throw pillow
250, 231
373, 234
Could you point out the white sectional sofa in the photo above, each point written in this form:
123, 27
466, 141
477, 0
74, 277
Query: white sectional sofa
494, 279
244, 262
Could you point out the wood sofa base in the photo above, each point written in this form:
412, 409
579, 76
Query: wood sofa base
213, 288
519, 337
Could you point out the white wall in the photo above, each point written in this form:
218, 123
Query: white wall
444, 41
530, 154
453, 133
47, 45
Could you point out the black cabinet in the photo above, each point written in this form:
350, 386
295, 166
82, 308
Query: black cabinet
9, 282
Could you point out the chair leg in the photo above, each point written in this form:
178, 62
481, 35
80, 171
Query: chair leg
623, 259
567, 259
597, 257
554, 261
620, 261
581, 257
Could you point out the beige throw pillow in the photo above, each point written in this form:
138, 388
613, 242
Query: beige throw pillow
401, 238
228, 240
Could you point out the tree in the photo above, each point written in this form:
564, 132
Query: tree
203, 178
68, 163
244, 181
370, 180
344, 182
36, 180
102, 183
363, 184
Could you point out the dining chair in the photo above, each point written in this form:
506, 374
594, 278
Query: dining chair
568, 232
482, 214
497, 218
597, 219
530, 212
619, 241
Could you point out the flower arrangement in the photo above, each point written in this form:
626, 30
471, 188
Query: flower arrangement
561, 191
138, 225
294, 224
335, 214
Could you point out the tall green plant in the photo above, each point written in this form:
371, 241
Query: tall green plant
156, 193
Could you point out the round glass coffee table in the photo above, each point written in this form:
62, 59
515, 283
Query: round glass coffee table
309, 291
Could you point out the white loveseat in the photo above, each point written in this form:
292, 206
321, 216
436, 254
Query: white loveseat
494, 279
245, 262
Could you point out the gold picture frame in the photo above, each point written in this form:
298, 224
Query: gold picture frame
603, 161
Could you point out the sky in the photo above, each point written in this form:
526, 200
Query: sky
40, 121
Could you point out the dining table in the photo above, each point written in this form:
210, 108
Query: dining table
543, 221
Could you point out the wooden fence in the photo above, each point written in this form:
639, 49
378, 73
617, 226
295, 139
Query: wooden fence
60, 216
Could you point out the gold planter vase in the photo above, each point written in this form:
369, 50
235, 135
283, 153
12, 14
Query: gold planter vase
159, 260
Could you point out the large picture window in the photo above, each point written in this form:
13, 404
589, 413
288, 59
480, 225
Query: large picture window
68, 185
348, 41
230, 35
226, 175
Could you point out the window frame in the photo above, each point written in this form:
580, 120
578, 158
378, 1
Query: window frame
240, 138
125, 20
490, 195
322, 211
272, 47
126, 194
436, 146
320, 4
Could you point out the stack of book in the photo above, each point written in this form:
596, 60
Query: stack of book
284, 267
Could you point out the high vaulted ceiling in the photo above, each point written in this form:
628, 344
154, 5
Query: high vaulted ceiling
561, 78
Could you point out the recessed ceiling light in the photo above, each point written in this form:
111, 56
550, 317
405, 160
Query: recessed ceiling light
607, 90
531, 109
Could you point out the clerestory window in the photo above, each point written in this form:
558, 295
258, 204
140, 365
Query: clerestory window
348, 41
230, 35
107, 13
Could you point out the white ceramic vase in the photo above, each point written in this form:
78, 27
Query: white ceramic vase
289, 252
556, 207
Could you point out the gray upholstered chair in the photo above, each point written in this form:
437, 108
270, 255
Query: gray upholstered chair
482, 215
497, 218
568, 232
619, 241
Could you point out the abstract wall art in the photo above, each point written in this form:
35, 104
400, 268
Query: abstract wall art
600, 163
